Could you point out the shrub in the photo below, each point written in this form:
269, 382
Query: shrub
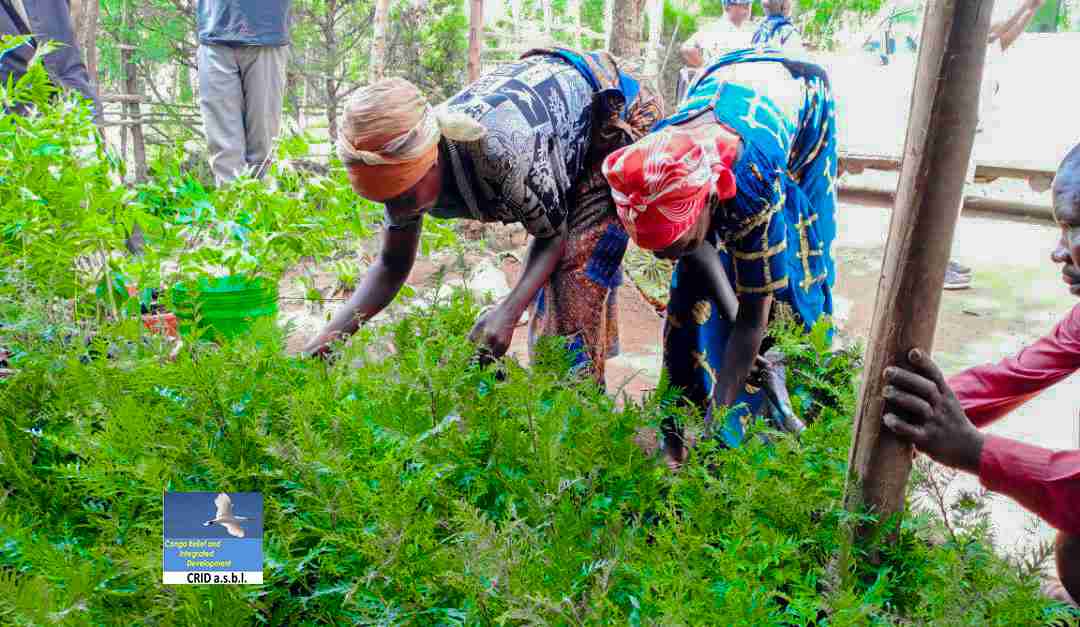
404, 485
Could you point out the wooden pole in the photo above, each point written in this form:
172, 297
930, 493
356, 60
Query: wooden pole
476, 38
940, 136
378, 41
131, 84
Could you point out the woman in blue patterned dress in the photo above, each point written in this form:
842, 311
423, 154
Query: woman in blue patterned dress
738, 186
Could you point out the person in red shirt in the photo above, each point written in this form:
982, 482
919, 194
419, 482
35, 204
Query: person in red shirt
942, 418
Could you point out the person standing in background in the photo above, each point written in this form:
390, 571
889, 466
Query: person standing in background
731, 32
45, 21
777, 30
243, 51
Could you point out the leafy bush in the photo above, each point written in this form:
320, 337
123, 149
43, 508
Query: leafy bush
67, 218
416, 488
403, 484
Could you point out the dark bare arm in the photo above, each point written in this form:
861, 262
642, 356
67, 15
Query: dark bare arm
742, 347
381, 284
1007, 32
705, 261
494, 331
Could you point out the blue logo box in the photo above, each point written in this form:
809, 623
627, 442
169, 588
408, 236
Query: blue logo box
212, 537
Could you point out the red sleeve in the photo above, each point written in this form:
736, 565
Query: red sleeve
1044, 481
989, 392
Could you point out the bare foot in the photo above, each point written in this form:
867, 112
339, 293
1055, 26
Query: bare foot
676, 451
676, 458
675, 454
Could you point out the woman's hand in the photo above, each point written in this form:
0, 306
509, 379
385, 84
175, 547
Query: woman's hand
492, 334
321, 346
770, 374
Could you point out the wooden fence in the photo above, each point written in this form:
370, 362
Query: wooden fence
157, 118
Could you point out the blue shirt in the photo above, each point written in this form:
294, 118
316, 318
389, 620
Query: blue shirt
244, 22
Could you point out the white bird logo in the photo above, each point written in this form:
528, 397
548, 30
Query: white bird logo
225, 516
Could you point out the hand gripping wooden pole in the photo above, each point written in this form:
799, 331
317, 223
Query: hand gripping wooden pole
940, 135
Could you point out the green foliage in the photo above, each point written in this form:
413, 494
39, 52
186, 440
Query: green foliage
825, 377
50, 167
674, 16
820, 20
428, 46
592, 17
66, 215
405, 485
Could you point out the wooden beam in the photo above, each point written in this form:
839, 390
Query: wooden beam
1038, 177
937, 149
977, 206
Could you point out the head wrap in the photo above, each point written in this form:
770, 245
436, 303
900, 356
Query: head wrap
390, 137
737, 2
663, 182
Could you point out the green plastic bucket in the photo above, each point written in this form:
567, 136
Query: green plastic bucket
227, 306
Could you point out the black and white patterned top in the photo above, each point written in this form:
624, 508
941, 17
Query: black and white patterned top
538, 116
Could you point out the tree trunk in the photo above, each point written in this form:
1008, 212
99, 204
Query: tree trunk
626, 28
476, 37
294, 87
378, 40
546, 6
609, 19
331, 84
86, 17
940, 135
656, 27
131, 85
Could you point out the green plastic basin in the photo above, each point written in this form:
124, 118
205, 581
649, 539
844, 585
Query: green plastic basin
225, 307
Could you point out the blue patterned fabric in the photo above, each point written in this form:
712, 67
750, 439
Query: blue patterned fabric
628, 85
774, 30
605, 263
774, 237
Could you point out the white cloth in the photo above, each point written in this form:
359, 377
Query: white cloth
722, 36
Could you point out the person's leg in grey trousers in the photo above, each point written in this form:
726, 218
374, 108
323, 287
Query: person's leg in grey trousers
221, 98
262, 72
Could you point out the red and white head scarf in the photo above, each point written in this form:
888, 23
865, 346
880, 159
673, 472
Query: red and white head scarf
663, 182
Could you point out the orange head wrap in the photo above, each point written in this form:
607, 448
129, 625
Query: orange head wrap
390, 137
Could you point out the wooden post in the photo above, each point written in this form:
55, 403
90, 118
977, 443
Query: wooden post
940, 135
131, 85
378, 41
476, 38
